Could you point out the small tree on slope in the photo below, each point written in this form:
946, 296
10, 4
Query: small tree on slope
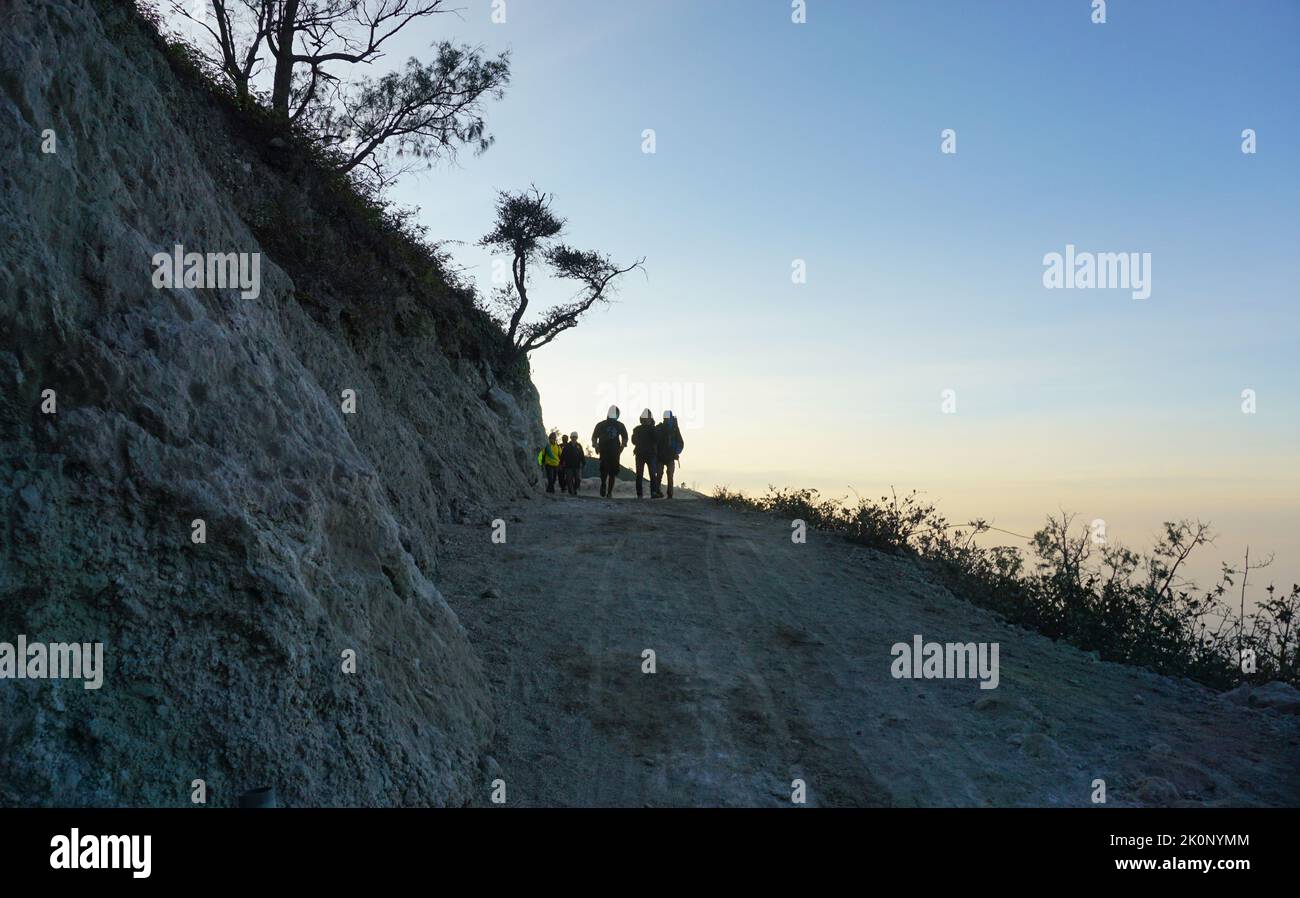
529, 232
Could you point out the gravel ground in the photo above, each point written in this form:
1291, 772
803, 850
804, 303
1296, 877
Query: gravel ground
773, 663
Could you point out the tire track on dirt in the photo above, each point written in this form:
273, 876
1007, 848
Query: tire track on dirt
805, 682
774, 662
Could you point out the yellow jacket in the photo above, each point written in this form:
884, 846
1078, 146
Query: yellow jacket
549, 456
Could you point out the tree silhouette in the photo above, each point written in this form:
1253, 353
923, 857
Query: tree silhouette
529, 231
429, 109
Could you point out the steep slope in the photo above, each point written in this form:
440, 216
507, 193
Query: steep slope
773, 663
224, 660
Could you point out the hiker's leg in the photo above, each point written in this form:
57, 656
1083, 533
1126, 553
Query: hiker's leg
550, 479
656, 477
608, 471
640, 476
670, 465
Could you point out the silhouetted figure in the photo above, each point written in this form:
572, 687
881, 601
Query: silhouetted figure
609, 439
563, 471
643, 446
572, 459
668, 449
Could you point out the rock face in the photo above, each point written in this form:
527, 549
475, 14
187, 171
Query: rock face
224, 660
1281, 697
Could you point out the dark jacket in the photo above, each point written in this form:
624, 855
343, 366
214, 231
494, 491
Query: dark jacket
664, 433
571, 455
609, 438
643, 440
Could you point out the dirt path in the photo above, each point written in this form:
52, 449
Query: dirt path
773, 664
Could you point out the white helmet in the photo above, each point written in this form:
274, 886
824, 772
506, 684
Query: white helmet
668, 413
647, 415
613, 412
574, 435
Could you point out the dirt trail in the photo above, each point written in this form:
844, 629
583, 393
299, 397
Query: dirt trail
773, 663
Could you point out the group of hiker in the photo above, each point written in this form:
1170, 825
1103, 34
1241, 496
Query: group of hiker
656, 447
562, 461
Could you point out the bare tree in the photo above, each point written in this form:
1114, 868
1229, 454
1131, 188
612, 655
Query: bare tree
429, 108
528, 230
238, 29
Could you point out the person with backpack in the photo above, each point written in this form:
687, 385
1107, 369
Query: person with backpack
549, 459
571, 462
609, 439
643, 446
562, 470
668, 449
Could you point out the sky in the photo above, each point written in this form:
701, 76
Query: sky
777, 143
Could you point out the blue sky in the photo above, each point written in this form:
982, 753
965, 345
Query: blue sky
821, 142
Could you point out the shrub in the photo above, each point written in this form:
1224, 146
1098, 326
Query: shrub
1128, 607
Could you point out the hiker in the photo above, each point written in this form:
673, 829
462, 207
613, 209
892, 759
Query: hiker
609, 439
668, 449
549, 459
571, 461
563, 471
643, 446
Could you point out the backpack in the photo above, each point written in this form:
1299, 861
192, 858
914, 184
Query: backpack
675, 441
609, 439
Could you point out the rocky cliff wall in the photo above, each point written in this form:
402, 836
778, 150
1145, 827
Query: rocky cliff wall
128, 411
